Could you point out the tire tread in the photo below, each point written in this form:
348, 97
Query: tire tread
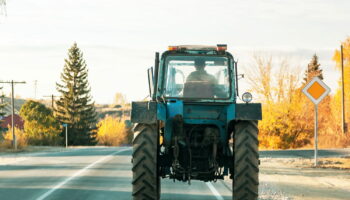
145, 163
246, 161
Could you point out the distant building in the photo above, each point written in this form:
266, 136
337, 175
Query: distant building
6, 121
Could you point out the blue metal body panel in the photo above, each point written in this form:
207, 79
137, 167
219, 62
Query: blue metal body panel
161, 112
231, 112
194, 113
174, 107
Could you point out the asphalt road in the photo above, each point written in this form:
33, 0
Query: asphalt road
97, 173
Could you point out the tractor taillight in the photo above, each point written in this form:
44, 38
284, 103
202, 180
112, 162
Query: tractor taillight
173, 48
221, 47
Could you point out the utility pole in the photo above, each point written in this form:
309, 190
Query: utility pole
52, 100
13, 108
35, 87
344, 127
3, 10
2, 96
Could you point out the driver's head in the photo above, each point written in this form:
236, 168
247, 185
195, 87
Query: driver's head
199, 64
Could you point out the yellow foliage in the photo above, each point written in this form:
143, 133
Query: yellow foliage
37, 134
21, 138
288, 116
283, 125
331, 133
111, 132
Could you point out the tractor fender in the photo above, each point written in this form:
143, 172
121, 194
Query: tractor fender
144, 112
147, 112
248, 111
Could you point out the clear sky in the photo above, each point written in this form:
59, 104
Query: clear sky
119, 38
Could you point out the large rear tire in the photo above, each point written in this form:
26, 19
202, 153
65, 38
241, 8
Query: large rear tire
146, 182
246, 161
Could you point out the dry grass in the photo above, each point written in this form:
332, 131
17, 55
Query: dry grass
335, 163
342, 163
327, 163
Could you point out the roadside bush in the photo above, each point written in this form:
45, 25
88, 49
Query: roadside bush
20, 137
111, 132
40, 126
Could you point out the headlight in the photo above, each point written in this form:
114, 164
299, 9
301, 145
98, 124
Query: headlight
247, 97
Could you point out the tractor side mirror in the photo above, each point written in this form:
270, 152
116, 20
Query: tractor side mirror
240, 76
150, 81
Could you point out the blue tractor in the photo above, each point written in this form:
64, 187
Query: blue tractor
192, 128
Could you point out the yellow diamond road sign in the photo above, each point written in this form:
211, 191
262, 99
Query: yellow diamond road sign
316, 90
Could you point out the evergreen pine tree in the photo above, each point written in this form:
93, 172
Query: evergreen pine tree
75, 106
313, 69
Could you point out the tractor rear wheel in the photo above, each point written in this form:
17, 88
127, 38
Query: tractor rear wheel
246, 161
146, 182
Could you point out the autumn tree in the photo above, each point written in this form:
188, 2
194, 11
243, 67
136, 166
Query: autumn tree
277, 85
75, 106
288, 115
259, 77
40, 126
120, 99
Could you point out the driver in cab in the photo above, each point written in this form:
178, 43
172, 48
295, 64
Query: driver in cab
200, 75
200, 84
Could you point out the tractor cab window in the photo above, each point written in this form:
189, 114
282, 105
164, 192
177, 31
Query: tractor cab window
199, 77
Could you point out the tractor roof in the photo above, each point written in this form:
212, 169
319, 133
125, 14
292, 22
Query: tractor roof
219, 47
197, 47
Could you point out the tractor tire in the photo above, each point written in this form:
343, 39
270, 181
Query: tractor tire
246, 161
146, 182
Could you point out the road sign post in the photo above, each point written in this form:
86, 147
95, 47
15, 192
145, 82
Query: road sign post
316, 134
316, 90
66, 125
66, 136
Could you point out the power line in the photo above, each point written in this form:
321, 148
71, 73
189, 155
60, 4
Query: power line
13, 108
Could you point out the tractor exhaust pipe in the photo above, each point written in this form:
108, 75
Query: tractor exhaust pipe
156, 69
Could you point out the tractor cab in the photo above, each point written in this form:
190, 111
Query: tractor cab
196, 73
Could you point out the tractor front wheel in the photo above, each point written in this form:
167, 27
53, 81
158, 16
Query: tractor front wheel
146, 182
246, 161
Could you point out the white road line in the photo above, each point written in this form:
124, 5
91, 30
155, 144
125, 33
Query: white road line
48, 193
214, 191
